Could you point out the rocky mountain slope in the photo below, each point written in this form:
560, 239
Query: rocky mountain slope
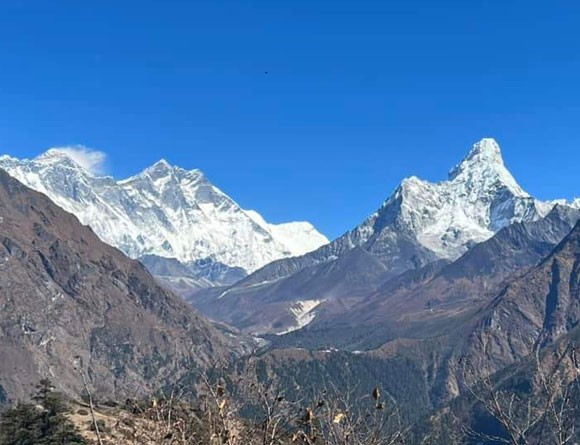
531, 311
425, 348
437, 298
534, 310
167, 212
474, 275
69, 302
288, 304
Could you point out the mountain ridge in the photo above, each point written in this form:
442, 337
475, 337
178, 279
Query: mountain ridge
442, 229
418, 224
165, 211
70, 302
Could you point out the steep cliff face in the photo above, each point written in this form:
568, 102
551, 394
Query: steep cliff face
68, 302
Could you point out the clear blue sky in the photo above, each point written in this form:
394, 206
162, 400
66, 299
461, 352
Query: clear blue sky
358, 95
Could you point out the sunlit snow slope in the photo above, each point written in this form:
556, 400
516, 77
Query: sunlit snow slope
165, 211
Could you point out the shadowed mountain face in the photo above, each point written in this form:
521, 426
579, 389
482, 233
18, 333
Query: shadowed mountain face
70, 302
446, 288
528, 310
534, 310
536, 306
437, 298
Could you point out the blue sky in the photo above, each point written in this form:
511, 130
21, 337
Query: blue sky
358, 95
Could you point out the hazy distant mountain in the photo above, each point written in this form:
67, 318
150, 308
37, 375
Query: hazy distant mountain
68, 302
165, 211
420, 223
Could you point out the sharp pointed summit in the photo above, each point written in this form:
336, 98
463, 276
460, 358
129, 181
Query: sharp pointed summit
484, 159
423, 221
486, 148
160, 169
484, 154
161, 164
480, 198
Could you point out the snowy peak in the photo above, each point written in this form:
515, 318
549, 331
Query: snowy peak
55, 156
89, 162
486, 151
162, 163
484, 168
52, 155
296, 236
164, 210
446, 218
162, 175
159, 169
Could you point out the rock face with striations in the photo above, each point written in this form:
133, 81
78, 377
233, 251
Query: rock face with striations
68, 302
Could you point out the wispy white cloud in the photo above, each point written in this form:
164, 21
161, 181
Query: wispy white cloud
91, 160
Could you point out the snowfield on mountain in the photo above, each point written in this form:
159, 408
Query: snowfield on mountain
164, 211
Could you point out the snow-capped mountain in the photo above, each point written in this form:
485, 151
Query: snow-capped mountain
420, 223
164, 211
424, 221
479, 198
575, 203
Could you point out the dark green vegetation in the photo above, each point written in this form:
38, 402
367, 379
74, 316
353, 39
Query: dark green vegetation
45, 422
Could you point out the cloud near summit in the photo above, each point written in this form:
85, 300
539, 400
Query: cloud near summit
91, 160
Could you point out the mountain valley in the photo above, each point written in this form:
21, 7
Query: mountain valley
469, 270
421, 225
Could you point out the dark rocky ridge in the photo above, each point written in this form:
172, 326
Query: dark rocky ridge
440, 297
68, 300
534, 310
